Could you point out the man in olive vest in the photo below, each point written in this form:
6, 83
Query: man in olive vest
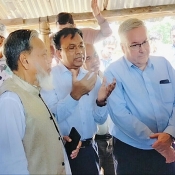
30, 142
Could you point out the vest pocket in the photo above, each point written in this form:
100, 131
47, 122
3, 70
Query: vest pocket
166, 91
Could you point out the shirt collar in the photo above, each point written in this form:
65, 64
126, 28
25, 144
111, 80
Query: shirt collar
64, 69
26, 86
130, 65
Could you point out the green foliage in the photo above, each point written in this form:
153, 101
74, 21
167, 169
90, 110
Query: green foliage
162, 27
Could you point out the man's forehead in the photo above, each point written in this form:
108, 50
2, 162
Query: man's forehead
72, 39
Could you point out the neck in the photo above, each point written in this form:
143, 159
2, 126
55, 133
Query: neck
26, 78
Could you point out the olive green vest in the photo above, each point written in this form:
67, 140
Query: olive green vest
42, 144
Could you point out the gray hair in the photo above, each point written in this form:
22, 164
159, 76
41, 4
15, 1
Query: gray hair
128, 25
16, 43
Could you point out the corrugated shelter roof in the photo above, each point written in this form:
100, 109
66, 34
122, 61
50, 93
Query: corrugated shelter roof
28, 12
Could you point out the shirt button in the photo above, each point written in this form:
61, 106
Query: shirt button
62, 163
59, 138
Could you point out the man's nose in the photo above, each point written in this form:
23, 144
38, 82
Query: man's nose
142, 48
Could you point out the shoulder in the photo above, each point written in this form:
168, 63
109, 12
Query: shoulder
117, 66
9, 96
116, 69
10, 99
159, 60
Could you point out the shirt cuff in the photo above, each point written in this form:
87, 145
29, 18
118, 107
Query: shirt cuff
101, 113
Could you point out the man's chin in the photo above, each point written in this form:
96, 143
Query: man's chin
46, 82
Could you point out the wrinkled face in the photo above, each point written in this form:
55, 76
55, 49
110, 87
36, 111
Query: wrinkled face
38, 62
136, 47
92, 62
38, 56
72, 53
62, 26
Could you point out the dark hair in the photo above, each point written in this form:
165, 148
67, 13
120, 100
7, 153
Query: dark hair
64, 33
64, 18
111, 40
16, 43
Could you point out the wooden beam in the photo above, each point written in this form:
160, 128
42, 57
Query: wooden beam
110, 15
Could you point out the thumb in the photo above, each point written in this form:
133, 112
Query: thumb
154, 135
104, 81
67, 138
74, 75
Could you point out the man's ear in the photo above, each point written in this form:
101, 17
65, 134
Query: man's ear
58, 54
24, 61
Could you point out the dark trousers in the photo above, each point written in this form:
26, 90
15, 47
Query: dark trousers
106, 160
140, 162
86, 163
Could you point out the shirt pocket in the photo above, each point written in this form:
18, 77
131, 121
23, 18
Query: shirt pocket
166, 91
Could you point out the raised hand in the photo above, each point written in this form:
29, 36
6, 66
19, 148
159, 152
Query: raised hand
85, 85
95, 8
105, 90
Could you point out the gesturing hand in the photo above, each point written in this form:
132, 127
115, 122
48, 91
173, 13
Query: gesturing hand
105, 91
85, 85
95, 8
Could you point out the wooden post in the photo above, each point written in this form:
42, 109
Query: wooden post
44, 33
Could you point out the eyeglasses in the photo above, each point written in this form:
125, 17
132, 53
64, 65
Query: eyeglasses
138, 46
73, 47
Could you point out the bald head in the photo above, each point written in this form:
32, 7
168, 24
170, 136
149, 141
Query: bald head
92, 62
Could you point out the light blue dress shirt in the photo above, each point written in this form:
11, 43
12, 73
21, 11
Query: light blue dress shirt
12, 129
83, 114
140, 105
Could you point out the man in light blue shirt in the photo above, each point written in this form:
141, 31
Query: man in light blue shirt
78, 98
142, 106
102, 137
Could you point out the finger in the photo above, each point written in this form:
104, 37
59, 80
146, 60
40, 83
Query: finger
67, 138
92, 3
74, 153
92, 80
110, 88
104, 81
156, 135
88, 75
114, 81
